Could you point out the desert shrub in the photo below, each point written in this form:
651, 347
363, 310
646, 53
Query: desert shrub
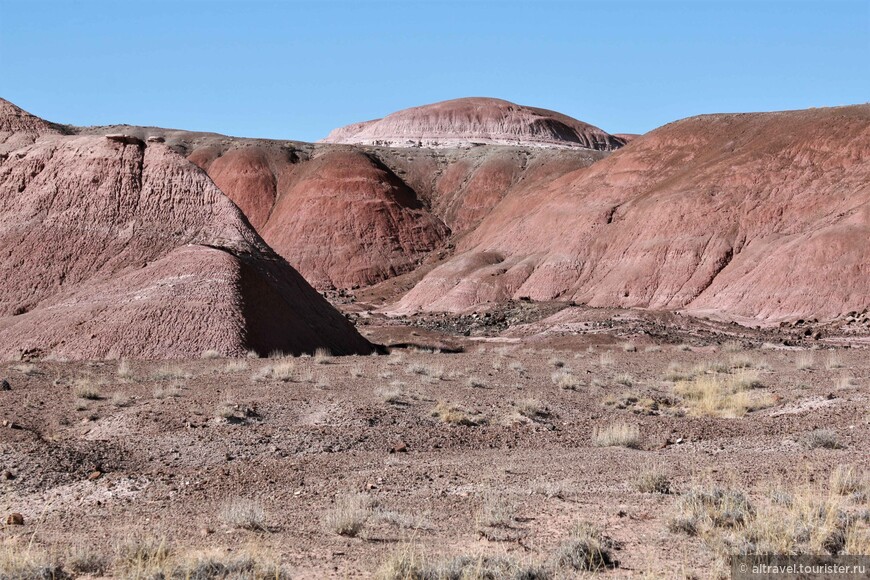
617, 435
349, 515
244, 513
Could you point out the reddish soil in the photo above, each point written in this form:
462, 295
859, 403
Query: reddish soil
169, 462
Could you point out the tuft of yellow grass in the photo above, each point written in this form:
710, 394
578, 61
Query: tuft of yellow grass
617, 435
727, 396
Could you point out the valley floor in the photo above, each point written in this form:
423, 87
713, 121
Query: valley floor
524, 452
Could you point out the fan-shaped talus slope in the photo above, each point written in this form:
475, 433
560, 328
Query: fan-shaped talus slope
466, 121
756, 216
344, 219
114, 248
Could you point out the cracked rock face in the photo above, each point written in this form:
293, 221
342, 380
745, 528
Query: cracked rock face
111, 248
475, 120
753, 217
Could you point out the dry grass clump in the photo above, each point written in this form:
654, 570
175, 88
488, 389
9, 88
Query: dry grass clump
322, 356
210, 354
606, 359
586, 549
349, 515
87, 388
455, 415
152, 558
834, 361
250, 564
170, 391
28, 562
556, 362
722, 396
142, 557
565, 379
26, 369
496, 517
82, 559
243, 513
629, 347
847, 480
617, 435
624, 379
732, 346
356, 372
284, 371
805, 361
121, 399
426, 370
406, 564
394, 394
475, 382
653, 481
517, 367
236, 366
532, 409
808, 521
700, 510
823, 439
124, 370
741, 361
675, 372
845, 382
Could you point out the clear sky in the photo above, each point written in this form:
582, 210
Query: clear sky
295, 70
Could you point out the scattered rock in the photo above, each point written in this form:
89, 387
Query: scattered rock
399, 448
94, 475
7, 475
5, 386
15, 519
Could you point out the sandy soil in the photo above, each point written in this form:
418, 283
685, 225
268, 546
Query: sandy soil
163, 449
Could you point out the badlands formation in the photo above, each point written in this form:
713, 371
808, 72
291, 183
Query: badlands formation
566, 393
758, 218
114, 247
475, 120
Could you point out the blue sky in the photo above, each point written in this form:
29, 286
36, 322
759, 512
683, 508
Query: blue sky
295, 70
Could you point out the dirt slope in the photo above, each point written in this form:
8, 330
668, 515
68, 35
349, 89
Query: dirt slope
753, 217
462, 122
117, 248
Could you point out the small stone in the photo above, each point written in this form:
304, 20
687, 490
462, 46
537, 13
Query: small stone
205, 532
5, 386
94, 475
399, 448
7, 475
15, 519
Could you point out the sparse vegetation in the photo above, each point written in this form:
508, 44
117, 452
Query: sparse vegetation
170, 391
653, 481
121, 400
87, 388
834, 361
564, 379
406, 564
322, 356
617, 434
243, 513
586, 549
349, 515
124, 370
210, 354
805, 361
823, 439
722, 396
475, 382
454, 414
